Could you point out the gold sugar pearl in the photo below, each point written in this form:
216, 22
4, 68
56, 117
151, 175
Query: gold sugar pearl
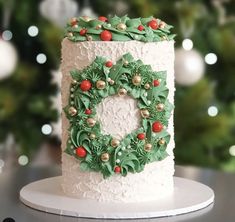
98, 27
148, 147
72, 111
122, 92
74, 82
147, 86
121, 27
161, 142
115, 142
92, 136
160, 107
136, 80
91, 122
104, 157
70, 34
145, 113
100, 84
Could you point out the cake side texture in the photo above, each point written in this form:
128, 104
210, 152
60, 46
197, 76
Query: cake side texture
156, 181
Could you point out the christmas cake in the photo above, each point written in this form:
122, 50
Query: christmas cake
118, 96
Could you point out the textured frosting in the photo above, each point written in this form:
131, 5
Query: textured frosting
118, 115
156, 181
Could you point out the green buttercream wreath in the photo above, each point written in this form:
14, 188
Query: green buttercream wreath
103, 153
118, 29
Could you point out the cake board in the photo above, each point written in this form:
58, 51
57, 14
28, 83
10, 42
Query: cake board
47, 195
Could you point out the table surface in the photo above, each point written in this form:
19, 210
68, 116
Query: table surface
223, 185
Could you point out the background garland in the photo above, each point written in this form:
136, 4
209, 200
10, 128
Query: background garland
103, 153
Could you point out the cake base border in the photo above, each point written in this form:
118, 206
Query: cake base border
47, 195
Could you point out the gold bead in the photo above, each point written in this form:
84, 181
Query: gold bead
100, 84
122, 92
72, 111
92, 136
136, 80
91, 122
125, 63
115, 142
148, 147
160, 107
86, 18
98, 27
70, 34
89, 38
111, 81
104, 157
147, 86
161, 142
74, 82
144, 113
121, 27
162, 25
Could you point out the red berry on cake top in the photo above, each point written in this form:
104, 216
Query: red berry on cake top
83, 32
106, 35
73, 21
103, 18
140, 27
153, 24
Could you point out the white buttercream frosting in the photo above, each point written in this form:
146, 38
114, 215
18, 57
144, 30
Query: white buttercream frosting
118, 115
156, 181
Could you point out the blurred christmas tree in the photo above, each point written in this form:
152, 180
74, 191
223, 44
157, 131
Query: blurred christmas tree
25, 104
205, 96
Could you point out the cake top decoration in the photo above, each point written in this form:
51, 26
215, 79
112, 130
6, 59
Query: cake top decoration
118, 29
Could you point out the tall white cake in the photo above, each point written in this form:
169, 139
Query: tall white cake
118, 115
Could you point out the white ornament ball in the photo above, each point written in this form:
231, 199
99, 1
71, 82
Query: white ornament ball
189, 67
8, 59
58, 11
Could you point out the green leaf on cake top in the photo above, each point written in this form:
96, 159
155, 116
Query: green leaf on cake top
118, 29
103, 153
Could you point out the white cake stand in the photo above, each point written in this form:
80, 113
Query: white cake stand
47, 195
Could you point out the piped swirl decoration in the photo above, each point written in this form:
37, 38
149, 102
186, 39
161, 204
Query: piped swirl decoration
118, 29
103, 153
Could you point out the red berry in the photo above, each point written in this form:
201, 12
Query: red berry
140, 27
88, 111
157, 127
81, 152
106, 35
156, 82
109, 64
141, 136
73, 21
85, 85
153, 24
83, 32
103, 18
117, 169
